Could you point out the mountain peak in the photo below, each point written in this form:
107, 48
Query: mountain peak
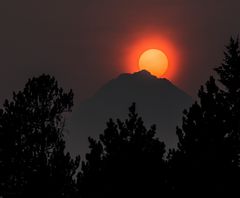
143, 74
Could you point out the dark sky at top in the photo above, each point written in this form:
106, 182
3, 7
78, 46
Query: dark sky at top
84, 43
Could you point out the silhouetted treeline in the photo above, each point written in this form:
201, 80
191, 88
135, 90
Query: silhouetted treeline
207, 159
127, 160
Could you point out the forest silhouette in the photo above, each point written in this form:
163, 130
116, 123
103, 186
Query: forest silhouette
127, 160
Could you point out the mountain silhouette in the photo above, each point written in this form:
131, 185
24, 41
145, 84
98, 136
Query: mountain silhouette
158, 102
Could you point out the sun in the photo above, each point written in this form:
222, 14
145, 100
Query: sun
169, 53
154, 61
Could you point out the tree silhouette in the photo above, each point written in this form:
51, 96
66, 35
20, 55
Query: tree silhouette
207, 159
229, 76
32, 158
127, 161
229, 73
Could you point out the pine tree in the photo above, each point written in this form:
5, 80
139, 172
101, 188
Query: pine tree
207, 159
229, 77
32, 158
127, 161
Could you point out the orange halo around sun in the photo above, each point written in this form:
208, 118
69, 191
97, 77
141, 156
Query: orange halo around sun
154, 61
147, 41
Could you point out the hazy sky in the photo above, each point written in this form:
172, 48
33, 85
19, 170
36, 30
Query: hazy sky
85, 43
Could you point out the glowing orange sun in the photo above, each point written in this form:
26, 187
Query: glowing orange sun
154, 61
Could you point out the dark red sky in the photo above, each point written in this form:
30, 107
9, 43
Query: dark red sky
85, 43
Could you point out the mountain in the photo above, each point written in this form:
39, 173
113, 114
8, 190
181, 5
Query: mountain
158, 101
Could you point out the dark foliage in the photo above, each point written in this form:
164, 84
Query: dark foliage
127, 161
207, 159
32, 158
